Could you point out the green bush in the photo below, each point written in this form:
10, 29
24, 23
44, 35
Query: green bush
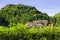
20, 32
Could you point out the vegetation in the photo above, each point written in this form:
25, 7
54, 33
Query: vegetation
21, 14
20, 32
57, 19
14, 17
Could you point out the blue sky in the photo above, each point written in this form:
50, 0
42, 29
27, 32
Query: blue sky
51, 7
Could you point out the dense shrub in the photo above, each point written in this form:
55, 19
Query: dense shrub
20, 32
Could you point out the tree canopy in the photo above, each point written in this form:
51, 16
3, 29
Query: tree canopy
21, 13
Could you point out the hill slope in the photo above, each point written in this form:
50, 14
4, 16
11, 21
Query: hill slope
57, 19
57, 15
21, 13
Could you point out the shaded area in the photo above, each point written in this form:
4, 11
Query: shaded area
3, 21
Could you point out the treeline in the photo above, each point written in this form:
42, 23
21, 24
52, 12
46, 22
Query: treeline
20, 13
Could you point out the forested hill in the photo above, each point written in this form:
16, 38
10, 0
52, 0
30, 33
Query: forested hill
57, 14
13, 14
57, 19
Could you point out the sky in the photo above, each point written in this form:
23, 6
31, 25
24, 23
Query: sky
51, 7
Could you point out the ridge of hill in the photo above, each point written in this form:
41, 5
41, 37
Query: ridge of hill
20, 13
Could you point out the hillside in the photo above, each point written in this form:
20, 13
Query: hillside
21, 14
57, 14
57, 19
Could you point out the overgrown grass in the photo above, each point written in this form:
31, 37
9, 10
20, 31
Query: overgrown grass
21, 32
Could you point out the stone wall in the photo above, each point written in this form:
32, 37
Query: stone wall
37, 23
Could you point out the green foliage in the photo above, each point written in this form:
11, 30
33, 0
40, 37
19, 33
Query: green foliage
21, 14
20, 32
57, 15
14, 15
3, 21
57, 19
